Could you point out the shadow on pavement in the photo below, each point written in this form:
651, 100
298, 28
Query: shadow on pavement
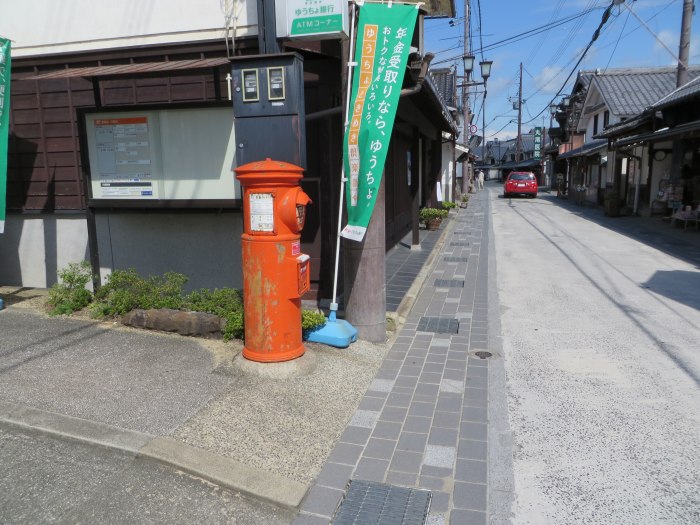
677, 285
652, 231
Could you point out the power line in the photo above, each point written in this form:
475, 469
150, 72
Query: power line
617, 42
596, 34
520, 36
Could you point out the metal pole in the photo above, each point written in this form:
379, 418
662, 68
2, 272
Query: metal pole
348, 88
465, 101
684, 49
519, 141
483, 128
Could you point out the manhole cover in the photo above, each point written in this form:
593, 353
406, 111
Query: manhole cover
483, 355
373, 503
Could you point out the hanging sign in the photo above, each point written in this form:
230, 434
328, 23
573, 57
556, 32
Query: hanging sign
384, 36
538, 143
4, 123
311, 19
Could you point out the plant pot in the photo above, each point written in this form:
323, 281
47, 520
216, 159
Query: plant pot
433, 224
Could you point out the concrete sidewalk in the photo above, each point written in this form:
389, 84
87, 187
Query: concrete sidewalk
184, 401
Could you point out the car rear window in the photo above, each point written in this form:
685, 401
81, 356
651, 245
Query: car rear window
521, 176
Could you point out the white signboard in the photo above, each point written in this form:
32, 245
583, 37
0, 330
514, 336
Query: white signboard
165, 154
312, 19
262, 212
123, 147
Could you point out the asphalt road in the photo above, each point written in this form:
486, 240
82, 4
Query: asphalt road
48, 480
601, 338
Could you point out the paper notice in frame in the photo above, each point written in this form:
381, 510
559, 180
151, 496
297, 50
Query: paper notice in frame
124, 166
262, 212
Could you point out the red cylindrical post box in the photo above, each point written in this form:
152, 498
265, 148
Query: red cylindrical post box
275, 272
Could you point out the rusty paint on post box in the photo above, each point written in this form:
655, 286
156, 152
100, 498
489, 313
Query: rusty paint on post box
275, 275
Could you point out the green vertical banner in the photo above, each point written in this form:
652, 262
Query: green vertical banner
4, 123
384, 34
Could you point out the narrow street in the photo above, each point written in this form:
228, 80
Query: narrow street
601, 338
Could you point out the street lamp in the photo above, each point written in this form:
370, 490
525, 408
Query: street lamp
485, 65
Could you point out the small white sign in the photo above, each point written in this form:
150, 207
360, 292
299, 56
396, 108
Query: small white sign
262, 212
311, 19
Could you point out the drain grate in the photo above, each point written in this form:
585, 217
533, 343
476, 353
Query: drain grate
450, 258
459, 243
372, 503
438, 325
449, 283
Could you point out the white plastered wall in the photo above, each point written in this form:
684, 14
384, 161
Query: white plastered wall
42, 27
33, 249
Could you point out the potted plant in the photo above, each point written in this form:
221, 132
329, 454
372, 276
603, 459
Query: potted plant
464, 200
447, 205
432, 217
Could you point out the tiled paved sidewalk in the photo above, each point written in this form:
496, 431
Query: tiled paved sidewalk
423, 420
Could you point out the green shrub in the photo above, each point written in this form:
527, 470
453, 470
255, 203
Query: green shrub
426, 214
126, 290
227, 303
311, 319
69, 294
448, 205
465, 197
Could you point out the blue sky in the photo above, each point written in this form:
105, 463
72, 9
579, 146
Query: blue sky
548, 57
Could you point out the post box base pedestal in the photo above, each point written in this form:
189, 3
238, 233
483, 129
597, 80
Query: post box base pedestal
273, 357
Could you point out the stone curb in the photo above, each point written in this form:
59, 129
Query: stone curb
221, 470
399, 317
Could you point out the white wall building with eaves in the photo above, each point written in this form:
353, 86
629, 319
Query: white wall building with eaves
204, 246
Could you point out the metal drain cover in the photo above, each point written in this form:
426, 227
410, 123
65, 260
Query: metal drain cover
449, 283
373, 503
451, 258
438, 325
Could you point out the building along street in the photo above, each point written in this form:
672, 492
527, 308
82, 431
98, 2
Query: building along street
600, 324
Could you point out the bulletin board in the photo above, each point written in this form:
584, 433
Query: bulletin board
176, 155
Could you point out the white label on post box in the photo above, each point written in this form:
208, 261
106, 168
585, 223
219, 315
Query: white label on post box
262, 214
296, 248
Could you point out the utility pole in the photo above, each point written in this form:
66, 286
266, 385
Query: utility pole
684, 49
519, 141
483, 128
465, 101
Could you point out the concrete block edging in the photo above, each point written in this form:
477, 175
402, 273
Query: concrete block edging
221, 470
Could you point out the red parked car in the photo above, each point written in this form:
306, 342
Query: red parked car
520, 183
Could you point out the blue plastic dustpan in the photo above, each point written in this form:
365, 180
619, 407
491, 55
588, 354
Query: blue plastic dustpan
336, 332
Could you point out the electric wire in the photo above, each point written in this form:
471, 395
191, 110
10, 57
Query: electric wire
545, 34
619, 37
596, 34
519, 36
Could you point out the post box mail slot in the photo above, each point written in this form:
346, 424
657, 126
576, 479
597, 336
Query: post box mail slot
303, 273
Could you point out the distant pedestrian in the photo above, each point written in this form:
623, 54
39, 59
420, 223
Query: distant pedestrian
480, 180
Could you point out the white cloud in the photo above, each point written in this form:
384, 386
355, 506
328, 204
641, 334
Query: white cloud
547, 82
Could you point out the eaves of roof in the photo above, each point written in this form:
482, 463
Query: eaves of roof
686, 91
590, 148
686, 129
